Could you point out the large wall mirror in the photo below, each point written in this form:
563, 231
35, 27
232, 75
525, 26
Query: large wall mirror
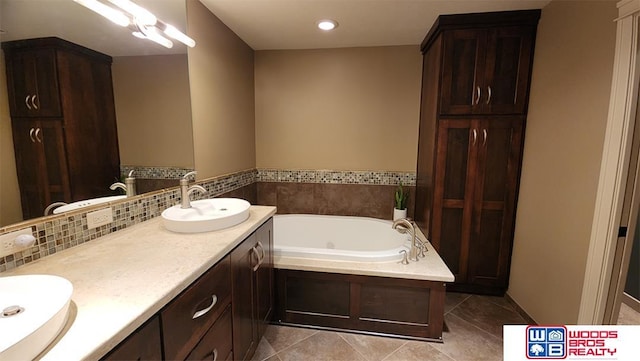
151, 83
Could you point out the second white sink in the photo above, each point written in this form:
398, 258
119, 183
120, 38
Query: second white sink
206, 215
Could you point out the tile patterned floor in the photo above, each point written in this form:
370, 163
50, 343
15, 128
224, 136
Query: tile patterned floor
474, 334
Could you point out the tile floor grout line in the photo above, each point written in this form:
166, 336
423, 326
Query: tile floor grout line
297, 342
396, 350
350, 345
458, 304
486, 332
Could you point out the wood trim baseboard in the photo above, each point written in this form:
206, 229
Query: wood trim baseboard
631, 301
520, 310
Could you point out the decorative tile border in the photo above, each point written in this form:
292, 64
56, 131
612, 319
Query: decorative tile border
154, 172
337, 177
59, 232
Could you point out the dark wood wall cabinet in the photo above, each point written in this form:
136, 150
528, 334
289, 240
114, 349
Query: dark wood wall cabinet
63, 120
475, 91
367, 304
221, 316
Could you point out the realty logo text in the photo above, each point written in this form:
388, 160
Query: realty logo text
557, 343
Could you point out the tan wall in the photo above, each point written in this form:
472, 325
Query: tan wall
222, 95
342, 109
10, 208
153, 110
572, 72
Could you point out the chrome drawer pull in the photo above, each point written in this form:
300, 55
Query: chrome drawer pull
489, 97
484, 141
475, 137
33, 140
38, 135
214, 300
261, 251
26, 102
215, 354
255, 251
33, 102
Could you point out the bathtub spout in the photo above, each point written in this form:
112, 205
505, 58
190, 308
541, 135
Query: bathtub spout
403, 225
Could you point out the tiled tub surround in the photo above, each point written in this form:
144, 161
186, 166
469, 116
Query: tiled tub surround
59, 232
123, 279
357, 193
330, 192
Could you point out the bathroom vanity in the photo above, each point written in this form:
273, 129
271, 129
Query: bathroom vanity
148, 293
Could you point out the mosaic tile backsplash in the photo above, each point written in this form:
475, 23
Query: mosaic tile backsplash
154, 172
56, 233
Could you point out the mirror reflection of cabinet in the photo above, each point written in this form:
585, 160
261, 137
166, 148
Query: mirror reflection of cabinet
63, 121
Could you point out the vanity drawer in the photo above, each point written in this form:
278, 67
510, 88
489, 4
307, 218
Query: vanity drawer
216, 343
188, 317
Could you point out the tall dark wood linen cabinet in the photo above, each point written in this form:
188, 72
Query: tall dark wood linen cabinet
475, 90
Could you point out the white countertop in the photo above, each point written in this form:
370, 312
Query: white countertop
429, 268
122, 279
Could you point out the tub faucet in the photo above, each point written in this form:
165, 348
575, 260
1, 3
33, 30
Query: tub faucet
186, 191
403, 225
129, 185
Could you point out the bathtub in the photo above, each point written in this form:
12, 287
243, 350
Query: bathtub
343, 273
358, 239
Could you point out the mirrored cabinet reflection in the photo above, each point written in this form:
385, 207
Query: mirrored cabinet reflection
63, 122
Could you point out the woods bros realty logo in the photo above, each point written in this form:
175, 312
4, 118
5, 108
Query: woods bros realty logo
558, 343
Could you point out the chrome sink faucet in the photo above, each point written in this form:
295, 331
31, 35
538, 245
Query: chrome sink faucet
186, 191
129, 185
403, 225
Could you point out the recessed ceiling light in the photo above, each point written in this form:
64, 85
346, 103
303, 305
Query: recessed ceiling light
327, 25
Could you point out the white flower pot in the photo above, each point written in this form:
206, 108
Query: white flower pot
399, 213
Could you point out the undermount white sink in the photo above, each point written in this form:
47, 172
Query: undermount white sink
86, 203
206, 215
34, 311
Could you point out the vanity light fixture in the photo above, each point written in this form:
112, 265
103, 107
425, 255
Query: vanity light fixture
142, 23
327, 24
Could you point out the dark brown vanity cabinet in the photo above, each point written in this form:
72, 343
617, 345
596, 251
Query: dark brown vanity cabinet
221, 316
61, 102
252, 285
476, 74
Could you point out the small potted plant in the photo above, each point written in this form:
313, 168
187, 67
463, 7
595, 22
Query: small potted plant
400, 208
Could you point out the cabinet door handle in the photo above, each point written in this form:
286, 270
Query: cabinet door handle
261, 251
26, 102
214, 355
485, 136
33, 140
475, 137
489, 94
202, 312
33, 102
478, 94
255, 251
38, 131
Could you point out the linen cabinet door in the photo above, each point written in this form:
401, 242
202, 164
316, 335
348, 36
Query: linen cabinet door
40, 164
508, 64
453, 188
33, 83
499, 154
462, 71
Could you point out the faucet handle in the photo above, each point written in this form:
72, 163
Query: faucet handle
405, 260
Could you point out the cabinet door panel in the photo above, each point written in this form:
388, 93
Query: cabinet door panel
143, 344
33, 73
453, 195
244, 328
57, 175
494, 200
264, 277
507, 69
463, 61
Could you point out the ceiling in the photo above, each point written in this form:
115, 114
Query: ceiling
263, 24
290, 24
